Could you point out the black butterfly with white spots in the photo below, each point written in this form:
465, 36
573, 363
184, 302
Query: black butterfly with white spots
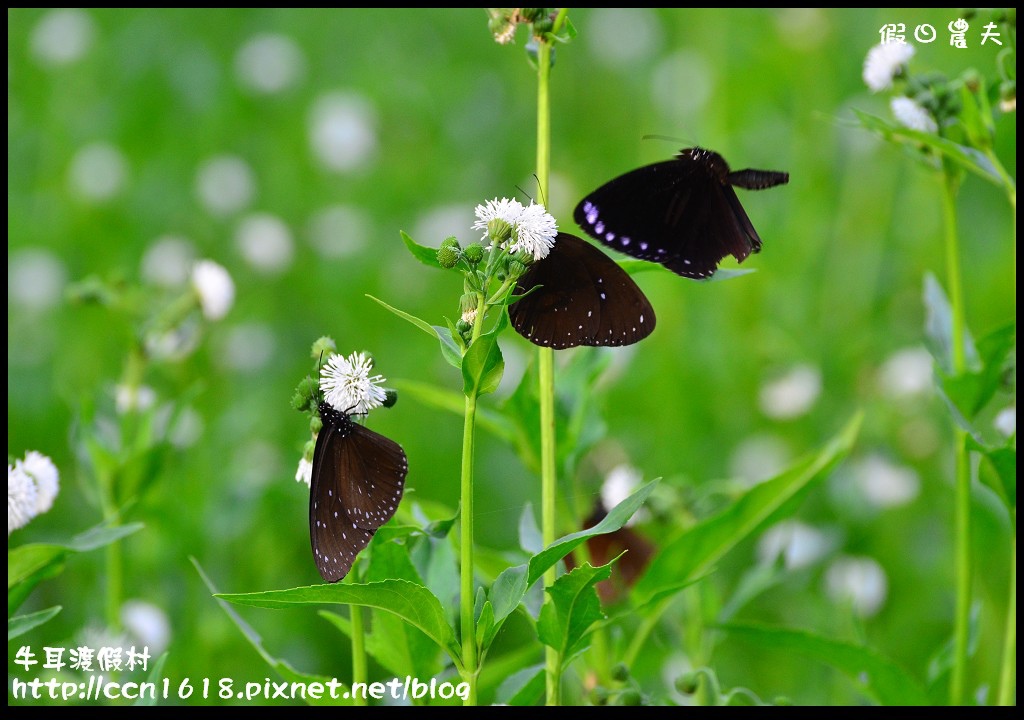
682, 213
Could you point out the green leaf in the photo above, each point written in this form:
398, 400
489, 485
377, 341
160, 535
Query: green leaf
426, 255
572, 607
26, 560
20, 592
882, 680
154, 676
939, 328
1003, 462
412, 602
448, 346
482, 366
21, 624
511, 585
699, 547
485, 628
524, 687
530, 538
969, 392
281, 667
969, 158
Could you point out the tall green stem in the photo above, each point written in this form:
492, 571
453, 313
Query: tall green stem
1008, 675
546, 365
962, 492
359, 674
466, 593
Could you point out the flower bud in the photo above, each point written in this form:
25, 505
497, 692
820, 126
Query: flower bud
315, 424
630, 696
474, 253
687, 683
447, 256
516, 269
620, 673
462, 326
390, 397
498, 230
304, 395
323, 347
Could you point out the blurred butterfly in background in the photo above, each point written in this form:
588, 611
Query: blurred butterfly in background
579, 296
635, 550
357, 481
682, 213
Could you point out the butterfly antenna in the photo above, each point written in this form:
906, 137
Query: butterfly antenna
524, 193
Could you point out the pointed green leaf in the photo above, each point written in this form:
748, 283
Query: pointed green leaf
21, 624
154, 676
426, 255
412, 602
482, 366
281, 667
26, 560
695, 550
882, 680
448, 347
524, 687
572, 607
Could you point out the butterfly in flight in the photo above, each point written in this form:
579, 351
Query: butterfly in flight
356, 484
682, 213
579, 296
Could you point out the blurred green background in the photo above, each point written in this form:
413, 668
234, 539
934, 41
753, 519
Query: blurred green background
291, 146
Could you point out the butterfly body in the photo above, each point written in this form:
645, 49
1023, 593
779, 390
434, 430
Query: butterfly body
682, 213
577, 295
356, 483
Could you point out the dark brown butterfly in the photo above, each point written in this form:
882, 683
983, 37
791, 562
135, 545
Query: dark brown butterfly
356, 484
582, 297
604, 548
682, 213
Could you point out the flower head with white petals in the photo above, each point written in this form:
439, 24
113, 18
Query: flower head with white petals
912, 115
215, 288
348, 386
884, 62
22, 497
535, 232
305, 472
504, 209
47, 479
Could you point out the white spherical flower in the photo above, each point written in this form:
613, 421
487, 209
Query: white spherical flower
799, 544
62, 37
907, 372
885, 484
504, 209
793, 394
47, 479
22, 497
215, 287
348, 385
225, 184
269, 63
859, 581
147, 624
98, 172
884, 62
535, 232
1006, 421
909, 113
265, 242
305, 472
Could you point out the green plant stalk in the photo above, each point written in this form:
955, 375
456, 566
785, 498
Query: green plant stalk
962, 490
546, 368
359, 674
1008, 674
466, 595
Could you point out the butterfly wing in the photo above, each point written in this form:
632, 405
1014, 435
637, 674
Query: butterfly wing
357, 481
582, 297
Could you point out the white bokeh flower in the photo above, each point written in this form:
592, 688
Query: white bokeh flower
619, 484
225, 184
799, 544
884, 62
343, 131
906, 372
348, 386
535, 232
265, 242
268, 63
215, 287
168, 261
504, 209
62, 37
131, 398
47, 479
859, 581
147, 624
884, 483
1006, 421
792, 394
21, 497
304, 472
35, 278
98, 172
910, 114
